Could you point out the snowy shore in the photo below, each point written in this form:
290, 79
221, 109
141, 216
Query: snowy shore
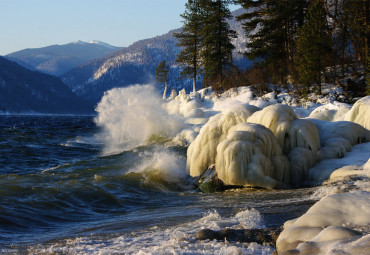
272, 141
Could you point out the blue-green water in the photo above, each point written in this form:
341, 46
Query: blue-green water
60, 194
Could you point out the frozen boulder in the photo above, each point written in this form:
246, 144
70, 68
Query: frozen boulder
252, 147
337, 138
333, 222
277, 118
360, 112
251, 156
330, 112
202, 151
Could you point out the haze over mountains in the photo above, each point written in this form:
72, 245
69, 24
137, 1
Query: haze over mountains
90, 69
58, 59
26, 91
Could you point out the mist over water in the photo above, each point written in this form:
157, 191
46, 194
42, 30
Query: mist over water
131, 116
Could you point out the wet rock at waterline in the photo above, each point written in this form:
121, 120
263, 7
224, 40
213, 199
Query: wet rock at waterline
209, 182
260, 236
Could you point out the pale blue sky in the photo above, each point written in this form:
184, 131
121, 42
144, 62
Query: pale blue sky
39, 23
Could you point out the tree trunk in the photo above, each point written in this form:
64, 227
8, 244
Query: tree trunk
194, 85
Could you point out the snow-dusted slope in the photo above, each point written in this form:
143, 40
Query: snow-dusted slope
58, 59
136, 65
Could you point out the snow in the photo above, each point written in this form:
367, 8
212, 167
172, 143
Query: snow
360, 112
271, 141
102, 44
335, 221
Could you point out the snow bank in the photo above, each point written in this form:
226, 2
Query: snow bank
202, 151
360, 112
351, 171
333, 223
337, 138
355, 159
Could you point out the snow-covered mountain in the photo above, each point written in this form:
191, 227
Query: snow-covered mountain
26, 91
58, 59
136, 65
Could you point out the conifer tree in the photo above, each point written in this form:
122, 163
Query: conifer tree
313, 45
216, 47
189, 39
272, 27
161, 75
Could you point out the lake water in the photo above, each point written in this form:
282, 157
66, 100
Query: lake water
60, 194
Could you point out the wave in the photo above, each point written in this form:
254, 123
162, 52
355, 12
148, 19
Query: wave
128, 117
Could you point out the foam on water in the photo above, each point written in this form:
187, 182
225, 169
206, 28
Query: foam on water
173, 240
131, 116
166, 167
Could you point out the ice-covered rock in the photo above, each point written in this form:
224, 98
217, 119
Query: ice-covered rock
277, 118
360, 112
352, 161
330, 112
251, 156
337, 138
202, 152
335, 222
252, 147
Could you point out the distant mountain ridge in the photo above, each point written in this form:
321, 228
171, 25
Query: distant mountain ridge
58, 59
26, 91
136, 65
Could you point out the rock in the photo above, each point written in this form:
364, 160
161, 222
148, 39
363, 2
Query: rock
206, 234
260, 236
209, 181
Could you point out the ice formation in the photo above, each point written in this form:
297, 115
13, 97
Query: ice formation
277, 118
334, 222
251, 155
337, 138
330, 112
360, 112
351, 171
352, 161
202, 151
256, 153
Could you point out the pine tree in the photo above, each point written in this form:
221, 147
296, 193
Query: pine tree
189, 39
313, 44
272, 27
216, 47
161, 75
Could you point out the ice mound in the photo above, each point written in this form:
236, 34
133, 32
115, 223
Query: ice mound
330, 112
251, 155
202, 151
352, 161
337, 138
360, 112
351, 171
255, 153
333, 223
277, 118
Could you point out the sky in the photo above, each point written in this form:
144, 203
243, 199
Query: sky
39, 23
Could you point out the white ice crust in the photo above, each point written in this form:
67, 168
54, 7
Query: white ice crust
336, 222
